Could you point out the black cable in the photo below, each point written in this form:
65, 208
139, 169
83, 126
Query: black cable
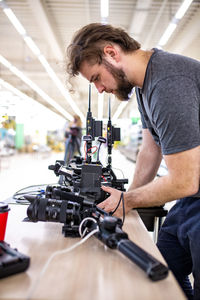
28, 187
19, 195
112, 212
123, 206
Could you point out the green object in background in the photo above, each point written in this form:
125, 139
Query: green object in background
135, 120
19, 137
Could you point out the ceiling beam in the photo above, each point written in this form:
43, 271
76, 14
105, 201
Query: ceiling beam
153, 28
44, 22
139, 17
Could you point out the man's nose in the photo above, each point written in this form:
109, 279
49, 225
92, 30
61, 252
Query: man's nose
100, 87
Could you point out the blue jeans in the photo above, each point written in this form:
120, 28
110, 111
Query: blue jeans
179, 243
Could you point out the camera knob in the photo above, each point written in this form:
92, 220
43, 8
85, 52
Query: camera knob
110, 223
51, 167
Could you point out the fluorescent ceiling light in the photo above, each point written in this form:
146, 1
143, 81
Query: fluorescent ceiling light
60, 86
35, 88
5, 62
13, 97
104, 8
11, 88
31, 44
172, 25
183, 8
13, 19
168, 32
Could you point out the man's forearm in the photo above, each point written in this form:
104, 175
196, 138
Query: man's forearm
146, 168
155, 193
181, 181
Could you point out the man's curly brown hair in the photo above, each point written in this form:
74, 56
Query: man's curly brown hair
89, 41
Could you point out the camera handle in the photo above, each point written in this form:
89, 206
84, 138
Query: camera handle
154, 269
111, 234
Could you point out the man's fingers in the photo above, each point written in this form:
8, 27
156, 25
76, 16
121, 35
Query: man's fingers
107, 189
112, 201
105, 206
102, 204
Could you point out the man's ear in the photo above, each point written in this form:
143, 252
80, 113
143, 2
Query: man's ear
112, 52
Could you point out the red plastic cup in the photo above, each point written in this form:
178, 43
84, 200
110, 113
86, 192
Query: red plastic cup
4, 209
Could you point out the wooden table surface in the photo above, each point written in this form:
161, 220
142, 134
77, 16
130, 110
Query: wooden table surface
91, 271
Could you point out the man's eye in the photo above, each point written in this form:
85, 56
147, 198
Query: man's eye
96, 78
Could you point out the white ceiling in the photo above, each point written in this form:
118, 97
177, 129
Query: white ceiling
52, 23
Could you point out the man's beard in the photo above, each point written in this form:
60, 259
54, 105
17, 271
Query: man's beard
124, 87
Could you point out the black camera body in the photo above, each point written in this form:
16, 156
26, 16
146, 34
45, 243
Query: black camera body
85, 179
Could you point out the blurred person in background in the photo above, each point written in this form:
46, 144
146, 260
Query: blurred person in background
73, 136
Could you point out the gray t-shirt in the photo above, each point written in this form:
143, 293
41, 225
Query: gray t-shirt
169, 101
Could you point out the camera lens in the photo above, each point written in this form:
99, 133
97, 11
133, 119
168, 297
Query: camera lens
63, 211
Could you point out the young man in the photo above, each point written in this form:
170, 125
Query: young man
168, 95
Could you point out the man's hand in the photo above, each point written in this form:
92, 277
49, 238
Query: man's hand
112, 201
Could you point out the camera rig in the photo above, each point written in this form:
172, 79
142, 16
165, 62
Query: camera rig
75, 202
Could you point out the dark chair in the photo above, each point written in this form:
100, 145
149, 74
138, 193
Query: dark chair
153, 218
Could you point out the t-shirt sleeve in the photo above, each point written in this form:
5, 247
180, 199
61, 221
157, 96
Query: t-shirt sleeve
174, 104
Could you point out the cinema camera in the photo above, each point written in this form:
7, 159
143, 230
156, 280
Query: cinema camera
74, 203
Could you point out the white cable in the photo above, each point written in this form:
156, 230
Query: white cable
120, 171
81, 225
58, 253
